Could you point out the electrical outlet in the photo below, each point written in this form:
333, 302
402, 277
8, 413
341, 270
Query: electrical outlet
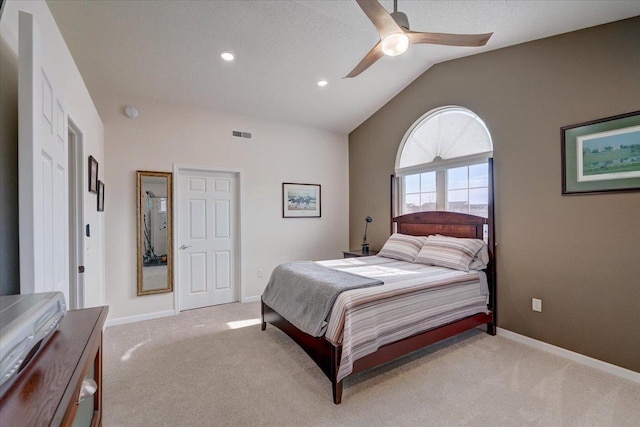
259, 273
536, 305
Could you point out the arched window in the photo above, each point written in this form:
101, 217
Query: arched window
442, 163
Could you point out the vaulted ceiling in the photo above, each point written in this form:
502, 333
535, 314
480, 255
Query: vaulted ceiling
169, 51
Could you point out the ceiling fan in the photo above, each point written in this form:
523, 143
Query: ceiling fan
395, 35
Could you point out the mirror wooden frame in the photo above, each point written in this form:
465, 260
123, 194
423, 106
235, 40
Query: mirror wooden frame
141, 227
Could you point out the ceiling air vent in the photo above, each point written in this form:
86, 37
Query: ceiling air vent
239, 134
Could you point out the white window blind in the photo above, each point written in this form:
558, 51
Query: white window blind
443, 138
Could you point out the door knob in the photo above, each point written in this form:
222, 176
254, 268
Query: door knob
184, 246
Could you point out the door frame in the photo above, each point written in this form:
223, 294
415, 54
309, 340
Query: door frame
177, 169
76, 175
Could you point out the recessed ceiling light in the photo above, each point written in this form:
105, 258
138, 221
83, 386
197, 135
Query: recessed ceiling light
322, 83
227, 56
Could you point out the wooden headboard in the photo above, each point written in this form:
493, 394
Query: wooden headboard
455, 225
440, 222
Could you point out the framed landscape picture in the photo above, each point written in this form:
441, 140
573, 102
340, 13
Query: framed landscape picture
301, 200
602, 155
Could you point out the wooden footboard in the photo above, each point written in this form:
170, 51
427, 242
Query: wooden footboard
327, 356
324, 353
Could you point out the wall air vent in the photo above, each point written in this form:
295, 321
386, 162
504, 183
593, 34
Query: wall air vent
239, 134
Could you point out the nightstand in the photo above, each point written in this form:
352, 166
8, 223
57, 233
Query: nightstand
357, 253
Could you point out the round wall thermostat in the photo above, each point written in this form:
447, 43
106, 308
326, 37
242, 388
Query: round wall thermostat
131, 112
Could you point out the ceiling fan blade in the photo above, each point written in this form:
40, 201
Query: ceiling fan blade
448, 39
381, 19
371, 57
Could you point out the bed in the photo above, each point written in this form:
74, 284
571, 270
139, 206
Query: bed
335, 353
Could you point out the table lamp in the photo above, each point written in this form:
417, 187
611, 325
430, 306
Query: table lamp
365, 245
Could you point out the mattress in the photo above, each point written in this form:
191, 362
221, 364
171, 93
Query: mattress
413, 299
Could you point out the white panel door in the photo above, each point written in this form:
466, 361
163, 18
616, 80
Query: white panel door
42, 165
207, 238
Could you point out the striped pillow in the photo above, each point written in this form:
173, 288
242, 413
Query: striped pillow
402, 247
481, 260
450, 252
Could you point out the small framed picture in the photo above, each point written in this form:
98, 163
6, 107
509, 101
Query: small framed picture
301, 200
100, 196
93, 175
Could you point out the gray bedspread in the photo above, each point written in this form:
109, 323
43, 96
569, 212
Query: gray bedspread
304, 293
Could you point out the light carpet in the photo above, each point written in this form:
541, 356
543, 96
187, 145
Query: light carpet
215, 367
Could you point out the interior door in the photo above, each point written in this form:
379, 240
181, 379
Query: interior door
207, 238
42, 165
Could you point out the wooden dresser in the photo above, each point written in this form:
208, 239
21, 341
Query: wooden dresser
46, 392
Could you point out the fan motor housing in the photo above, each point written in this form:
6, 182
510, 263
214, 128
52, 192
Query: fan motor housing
401, 19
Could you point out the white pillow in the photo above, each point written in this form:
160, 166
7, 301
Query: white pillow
402, 247
451, 252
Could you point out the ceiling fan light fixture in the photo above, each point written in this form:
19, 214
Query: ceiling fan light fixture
395, 44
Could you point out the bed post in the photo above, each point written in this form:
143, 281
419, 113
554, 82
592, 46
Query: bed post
392, 202
337, 392
491, 327
264, 324
336, 386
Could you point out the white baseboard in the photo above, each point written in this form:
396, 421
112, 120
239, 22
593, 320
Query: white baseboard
138, 318
158, 314
572, 355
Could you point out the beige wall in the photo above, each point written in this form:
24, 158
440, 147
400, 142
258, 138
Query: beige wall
83, 113
165, 134
579, 254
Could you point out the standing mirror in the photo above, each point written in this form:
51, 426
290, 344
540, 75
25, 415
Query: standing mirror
155, 225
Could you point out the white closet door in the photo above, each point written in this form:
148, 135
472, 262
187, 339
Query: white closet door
207, 238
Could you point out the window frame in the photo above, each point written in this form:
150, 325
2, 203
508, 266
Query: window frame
442, 188
439, 166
